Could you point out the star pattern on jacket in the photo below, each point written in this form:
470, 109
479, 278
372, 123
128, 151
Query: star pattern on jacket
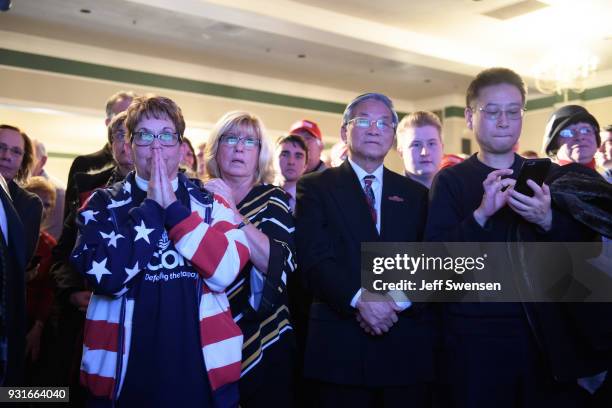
76, 253
98, 269
112, 238
115, 298
131, 272
119, 203
89, 215
142, 232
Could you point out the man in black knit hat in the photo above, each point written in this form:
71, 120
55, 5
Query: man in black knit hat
572, 136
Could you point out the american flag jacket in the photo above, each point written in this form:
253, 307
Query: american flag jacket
117, 238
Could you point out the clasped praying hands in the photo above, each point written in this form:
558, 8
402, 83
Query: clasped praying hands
160, 187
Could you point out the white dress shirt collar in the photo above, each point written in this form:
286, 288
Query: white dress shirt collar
361, 173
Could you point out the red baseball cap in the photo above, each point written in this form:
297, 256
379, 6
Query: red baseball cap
308, 126
449, 160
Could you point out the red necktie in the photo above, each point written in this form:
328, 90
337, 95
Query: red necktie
369, 193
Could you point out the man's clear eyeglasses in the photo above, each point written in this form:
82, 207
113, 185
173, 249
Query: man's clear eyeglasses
364, 123
494, 113
232, 140
15, 151
583, 131
165, 138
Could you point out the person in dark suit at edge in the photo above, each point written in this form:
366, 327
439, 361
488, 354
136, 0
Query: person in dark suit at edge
20, 218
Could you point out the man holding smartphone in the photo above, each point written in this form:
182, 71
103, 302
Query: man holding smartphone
500, 354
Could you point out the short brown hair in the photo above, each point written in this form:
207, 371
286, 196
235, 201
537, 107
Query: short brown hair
494, 76
115, 124
156, 107
296, 140
27, 160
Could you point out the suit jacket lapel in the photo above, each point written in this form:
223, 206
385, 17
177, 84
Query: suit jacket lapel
388, 207
352, 204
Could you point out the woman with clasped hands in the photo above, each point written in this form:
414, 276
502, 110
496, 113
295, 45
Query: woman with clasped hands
159, 252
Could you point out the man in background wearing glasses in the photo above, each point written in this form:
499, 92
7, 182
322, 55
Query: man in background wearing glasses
572, 139
503, 354
364, 349
16, 157
572, 136
159, 251
20, 216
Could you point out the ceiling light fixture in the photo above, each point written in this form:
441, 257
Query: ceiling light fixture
566, 72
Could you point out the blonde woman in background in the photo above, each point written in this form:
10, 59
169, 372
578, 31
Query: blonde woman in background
239, 163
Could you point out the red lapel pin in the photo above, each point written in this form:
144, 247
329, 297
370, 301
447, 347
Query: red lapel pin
396, 199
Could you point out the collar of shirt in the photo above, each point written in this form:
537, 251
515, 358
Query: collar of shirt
144, 184
291, 190
376, 186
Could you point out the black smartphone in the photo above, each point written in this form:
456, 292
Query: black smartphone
532, 169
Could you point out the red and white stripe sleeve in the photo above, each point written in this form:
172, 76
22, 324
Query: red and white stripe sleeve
218, 251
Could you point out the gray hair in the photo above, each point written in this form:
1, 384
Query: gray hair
116, 98
39, 149
348, 112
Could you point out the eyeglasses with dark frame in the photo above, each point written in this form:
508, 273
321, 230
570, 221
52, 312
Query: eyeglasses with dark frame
582, 131
167, 139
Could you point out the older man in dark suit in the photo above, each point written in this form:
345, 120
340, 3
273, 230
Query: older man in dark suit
363, 353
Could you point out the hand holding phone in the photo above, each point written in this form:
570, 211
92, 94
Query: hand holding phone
532, 169
533, 206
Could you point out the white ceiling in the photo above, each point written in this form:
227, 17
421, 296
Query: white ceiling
411, 50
